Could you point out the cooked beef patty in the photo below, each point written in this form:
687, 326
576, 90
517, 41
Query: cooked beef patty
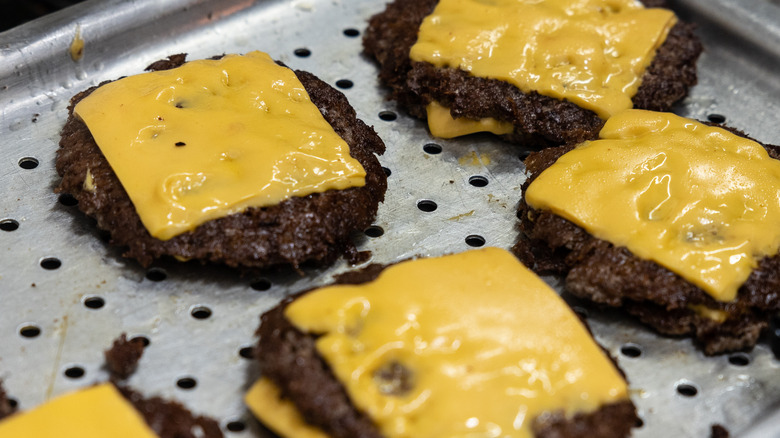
539, 121
314, 228
288, 357
603, 273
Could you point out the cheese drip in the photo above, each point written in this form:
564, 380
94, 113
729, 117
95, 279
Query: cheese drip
281, 416
443, 125
698, 200
213, 138
590, 52
472, 344
95, 412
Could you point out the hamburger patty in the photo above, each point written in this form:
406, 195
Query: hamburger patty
288, 357
540, 121
314, 228
603, 273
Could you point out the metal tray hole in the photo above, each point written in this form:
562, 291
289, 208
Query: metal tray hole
74, 372
687, 389
639, 423
432, 148
388, 116
302, 52
387, 171
475, 240
187, 383
68, 200
716, 118
739, 359
247, 352
9, 225
12, 402
427, 205
28, 163
344, 84
631, 350
94, 302
156, 274
374, 231
261, 284
352, 33
478, 181
200, 312
30, 331
235, 426
50, 263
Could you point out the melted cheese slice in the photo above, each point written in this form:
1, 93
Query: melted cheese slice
590, 52
698, 200
214, 137
443, 125
95, 412
281, 416
472, 344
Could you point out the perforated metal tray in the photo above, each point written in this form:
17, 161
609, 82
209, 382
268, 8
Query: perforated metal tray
65, 294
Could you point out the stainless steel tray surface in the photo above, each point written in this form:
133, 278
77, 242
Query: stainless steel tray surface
66, 294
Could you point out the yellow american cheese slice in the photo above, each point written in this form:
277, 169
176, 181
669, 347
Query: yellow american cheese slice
95, 412
281, 416
698, 200
590, 52
443, 125
214, 137
472, 344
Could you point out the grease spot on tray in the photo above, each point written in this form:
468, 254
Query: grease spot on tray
474, 159
77, 45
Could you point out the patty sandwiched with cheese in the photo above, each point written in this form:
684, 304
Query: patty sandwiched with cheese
675, 221
537, 73
234, 160
471, 344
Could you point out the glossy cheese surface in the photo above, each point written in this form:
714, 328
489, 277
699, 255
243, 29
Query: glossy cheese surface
279, 415
443, 125
590, 52
472, 344
214, 137
95, 412
698, 200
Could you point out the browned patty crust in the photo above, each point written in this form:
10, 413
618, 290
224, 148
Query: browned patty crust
168, 419
288, 357
603, 273
539, 121
314, 228
6, 406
